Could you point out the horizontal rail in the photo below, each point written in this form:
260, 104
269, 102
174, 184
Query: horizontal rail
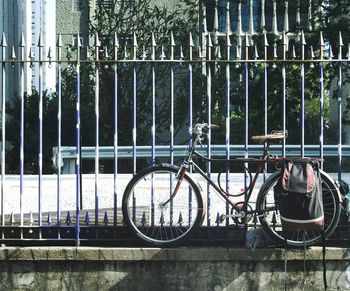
68, 153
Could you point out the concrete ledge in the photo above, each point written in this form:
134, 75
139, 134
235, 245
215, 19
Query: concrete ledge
190, 254
189, 269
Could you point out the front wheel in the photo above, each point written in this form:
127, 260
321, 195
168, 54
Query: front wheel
158, 214
270, 219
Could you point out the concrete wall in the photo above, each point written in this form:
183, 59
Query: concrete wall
169, 269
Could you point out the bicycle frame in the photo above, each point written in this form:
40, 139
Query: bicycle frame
188, 163
266, 158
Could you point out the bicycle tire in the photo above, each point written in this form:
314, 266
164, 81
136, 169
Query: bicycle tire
151, 221
270, 221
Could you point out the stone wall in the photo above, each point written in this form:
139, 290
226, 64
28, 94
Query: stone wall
153, 269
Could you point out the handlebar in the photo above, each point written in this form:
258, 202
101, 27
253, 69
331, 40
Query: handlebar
202, 128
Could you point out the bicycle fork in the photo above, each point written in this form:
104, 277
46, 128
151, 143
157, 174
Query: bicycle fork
179, 177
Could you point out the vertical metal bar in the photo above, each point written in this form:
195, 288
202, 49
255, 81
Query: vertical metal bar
172, 47
266, 44
21, 166
246, 115
153, 57
321, 98
97, 126
134, 116
190, 114
209, 96
59, 131
40, 158
3, 126
78, 147
284, 96
302, 101
340, 95
115, 175
228, 114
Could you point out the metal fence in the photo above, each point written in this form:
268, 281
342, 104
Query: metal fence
247, 85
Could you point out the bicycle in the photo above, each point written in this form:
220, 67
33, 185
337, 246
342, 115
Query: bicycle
163, 204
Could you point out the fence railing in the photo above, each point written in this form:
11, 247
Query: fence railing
140, 102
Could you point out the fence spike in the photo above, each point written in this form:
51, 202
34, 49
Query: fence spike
172, 40
13, 53
144, 55
153, 40
210, 42
105, 218
97, 42
68, 219
69, 53
125, 52
161, 220
3, 40
162, 54
116, 46
218, 219
218, 53
331, 55
348, 53
200, 56
116, 41
87, 218
340, 43
303, 42
143, 219
134, 43
284, 39
322, 44
49, 54
12, 218
274, 219
59, 40
22, 42
182, 56
49, 219
31, 218
256, 54
255, 220
191, 43
228, 40
266, 43
312, 53
180, 220
246, 37
106, 52
312, 56
294, 54
40, 40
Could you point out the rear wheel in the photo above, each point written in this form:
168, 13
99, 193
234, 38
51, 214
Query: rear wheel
154, 213
270, 219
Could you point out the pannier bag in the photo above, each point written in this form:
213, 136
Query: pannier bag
298, 194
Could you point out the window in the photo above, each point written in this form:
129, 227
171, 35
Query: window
76, 5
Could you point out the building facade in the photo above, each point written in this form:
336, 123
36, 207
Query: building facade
22, 22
